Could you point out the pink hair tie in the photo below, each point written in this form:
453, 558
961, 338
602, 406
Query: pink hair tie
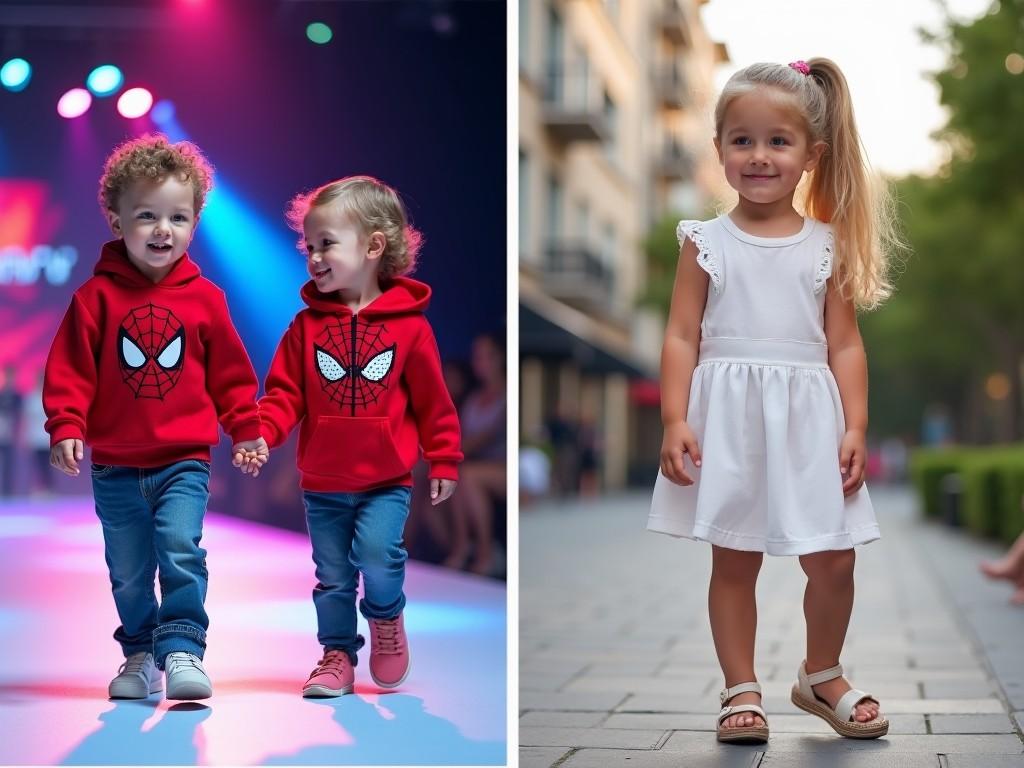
801, 67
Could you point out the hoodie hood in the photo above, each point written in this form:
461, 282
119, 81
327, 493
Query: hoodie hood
400, 296
114, 262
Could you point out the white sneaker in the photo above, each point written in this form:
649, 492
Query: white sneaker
186, 678
137, 678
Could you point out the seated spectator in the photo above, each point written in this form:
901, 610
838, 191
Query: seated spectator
483, 472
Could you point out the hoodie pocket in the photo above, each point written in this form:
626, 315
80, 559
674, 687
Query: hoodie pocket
357, 449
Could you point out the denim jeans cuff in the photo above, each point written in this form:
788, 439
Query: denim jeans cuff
352, 650
170, 638
392, 613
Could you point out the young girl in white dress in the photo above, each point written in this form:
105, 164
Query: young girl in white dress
764, 380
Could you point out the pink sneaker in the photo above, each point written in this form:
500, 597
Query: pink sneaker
333, 676
389, 652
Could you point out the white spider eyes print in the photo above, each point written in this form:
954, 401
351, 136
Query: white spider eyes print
132, 355
170, 356
378, 367
330, 368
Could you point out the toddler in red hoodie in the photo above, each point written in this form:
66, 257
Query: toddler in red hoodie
145, 363
358, 370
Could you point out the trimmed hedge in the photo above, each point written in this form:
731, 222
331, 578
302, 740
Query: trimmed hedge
991, 501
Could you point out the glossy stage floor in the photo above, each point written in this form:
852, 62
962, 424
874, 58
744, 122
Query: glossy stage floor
57, 656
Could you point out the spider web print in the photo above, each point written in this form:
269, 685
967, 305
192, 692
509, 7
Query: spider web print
371, 344
152, 330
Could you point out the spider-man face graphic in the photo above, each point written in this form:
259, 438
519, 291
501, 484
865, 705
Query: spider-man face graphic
150, 350
354, 362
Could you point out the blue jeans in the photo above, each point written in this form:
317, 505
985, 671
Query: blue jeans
152, 519
355, 533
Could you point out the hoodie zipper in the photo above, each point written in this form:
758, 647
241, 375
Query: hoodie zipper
355, 362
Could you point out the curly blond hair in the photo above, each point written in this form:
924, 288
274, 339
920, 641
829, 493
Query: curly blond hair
375, 207
154, 158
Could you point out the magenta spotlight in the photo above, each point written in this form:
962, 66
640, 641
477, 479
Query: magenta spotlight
74, 103
135, 102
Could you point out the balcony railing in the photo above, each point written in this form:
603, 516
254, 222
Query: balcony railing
573, 104
573, 272
675, 162
670, 20
671, 87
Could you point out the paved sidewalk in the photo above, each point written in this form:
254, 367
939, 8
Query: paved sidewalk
617, 665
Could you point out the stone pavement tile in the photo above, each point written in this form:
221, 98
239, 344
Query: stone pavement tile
608, 738
941, 658
533, 666
581, 702
984, 761
637, 684
720, 758
912, 675
958, 689
562, 719
540, 757
849, 760
681, 741
971, 724
779, 723
944, 706
538, 682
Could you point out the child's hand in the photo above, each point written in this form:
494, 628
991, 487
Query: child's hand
251, 455
853, 454
66, 454
679, 439
441, 490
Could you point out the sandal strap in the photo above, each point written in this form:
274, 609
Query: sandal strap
849, 701
726, 711
823, 676
728, 693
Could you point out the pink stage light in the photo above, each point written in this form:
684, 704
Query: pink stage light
135, 102
74, 103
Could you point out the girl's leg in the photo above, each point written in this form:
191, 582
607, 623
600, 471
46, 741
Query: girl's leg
733, 612
479, 481
828, 603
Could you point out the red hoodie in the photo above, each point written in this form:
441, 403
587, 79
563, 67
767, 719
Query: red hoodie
142, 371
367, 389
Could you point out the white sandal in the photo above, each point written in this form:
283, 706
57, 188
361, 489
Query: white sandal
840, 718
746, 733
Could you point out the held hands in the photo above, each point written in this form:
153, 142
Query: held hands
441, 490
679, 439
852, 458
66, 454
251, 455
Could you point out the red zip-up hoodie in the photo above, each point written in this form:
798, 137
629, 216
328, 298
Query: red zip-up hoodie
143, 371
367, 389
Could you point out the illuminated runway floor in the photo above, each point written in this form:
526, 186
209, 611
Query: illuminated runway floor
57, 656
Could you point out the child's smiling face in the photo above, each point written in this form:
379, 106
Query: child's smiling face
156, 220
339, 255
764, 147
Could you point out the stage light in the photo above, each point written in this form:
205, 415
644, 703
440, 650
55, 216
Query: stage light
74, 103
162, 112
319, 33
135, 102
104, 80
15, 74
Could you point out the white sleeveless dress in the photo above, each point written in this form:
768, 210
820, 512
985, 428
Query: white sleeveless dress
764, 404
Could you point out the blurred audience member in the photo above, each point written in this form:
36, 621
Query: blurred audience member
10, 416
36, 439
483, 472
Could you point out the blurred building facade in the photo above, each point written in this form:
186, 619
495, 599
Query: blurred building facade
614, 132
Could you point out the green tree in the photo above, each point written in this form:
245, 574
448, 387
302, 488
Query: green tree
958, 314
